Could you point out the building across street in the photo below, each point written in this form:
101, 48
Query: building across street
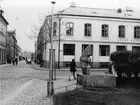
107, 30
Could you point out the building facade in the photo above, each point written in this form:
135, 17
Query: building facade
3, 37
107, 30
12, 47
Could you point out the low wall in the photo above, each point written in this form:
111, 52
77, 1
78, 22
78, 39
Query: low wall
107, 80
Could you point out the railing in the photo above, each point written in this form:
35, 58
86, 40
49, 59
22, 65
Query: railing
65, 88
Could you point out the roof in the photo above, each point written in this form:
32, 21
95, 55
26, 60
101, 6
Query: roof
1, 15
12, 33
99, 12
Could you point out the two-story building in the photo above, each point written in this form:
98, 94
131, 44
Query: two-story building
3, 37
107, 30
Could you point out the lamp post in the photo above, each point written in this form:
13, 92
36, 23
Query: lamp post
50, 82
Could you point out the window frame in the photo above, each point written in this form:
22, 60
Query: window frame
121, 29
87, 29
68, 26
135, 48
66, 51
54, 28
105, 30
137, 30
106, 47
121, 47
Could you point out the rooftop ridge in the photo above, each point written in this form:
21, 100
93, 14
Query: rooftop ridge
96, 8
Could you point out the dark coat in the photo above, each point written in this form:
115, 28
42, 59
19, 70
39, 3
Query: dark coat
72, 67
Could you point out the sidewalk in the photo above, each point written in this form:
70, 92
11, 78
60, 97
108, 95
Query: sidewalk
4, 65
37, 67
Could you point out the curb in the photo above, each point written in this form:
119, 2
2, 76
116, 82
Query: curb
5, 65
66, 69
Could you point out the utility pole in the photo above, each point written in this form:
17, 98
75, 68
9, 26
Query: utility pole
50, 82
59, 43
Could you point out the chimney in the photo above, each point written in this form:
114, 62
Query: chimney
72, 4
119, 10
129, 9
1, 12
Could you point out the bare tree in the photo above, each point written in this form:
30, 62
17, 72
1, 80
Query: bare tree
44, 27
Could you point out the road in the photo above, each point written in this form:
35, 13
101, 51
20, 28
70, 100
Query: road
13, 76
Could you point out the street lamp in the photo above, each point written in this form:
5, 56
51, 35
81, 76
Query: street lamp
50, 82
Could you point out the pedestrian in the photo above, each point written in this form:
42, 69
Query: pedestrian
16, 60
73, 69
13, 61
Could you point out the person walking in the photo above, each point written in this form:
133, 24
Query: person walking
13, 61
16, 60
73, 69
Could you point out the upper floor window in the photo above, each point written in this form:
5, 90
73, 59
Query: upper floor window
137, 32
121, 31
69, 49
54, 28
87, 29
69, 28
104, 30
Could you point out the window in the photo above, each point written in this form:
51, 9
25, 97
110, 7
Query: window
84, 46
104, 30
135, 48
87, 29
0, 55
121, 48
104, 50
121, 31
54, 28
137, 32
69, 49
69, 28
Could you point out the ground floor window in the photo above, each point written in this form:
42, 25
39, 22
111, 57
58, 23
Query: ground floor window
121, 48
135, 48
104, 50
69, 49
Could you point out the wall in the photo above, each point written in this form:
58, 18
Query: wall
78, 39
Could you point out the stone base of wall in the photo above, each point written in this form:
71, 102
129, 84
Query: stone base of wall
107, 80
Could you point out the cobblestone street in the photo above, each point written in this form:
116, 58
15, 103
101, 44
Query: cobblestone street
22, 78
13, 76
23, 85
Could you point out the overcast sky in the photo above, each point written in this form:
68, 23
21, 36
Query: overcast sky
21, 13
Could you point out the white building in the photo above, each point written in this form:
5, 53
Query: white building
107, 30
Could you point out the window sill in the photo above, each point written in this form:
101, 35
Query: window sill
136, 40
121, 39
